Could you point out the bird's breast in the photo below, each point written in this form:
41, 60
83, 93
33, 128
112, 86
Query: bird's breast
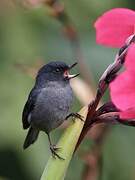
59, 97
52, 106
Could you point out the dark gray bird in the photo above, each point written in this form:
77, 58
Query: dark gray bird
48, 103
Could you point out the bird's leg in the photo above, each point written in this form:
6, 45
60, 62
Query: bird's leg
53, 148
75, 115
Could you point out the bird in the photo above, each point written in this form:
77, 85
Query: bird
48, 104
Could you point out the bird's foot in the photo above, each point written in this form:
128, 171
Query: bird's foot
53, 149
75, 115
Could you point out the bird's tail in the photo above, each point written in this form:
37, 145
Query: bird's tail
31, 137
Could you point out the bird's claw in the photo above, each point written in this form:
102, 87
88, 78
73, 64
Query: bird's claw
53, 149
75, 115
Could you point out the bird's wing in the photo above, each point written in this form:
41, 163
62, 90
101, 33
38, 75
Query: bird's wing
29, 107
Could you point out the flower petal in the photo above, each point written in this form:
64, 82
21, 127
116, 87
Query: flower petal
130, 59
115, 26
128, 114
122, 90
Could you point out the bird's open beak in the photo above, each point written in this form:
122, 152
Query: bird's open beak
70, 76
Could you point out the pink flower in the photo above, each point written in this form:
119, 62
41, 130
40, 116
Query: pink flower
112, 29
128, 114
122, 89
115, 26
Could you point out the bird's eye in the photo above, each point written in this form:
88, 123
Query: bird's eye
57, 70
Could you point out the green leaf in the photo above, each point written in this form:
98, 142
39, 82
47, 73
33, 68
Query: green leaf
56, 168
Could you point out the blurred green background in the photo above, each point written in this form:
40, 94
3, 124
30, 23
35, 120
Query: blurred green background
29, 34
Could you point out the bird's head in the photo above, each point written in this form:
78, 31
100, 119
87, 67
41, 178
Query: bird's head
56, 71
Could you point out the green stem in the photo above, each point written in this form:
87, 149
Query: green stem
56, 168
